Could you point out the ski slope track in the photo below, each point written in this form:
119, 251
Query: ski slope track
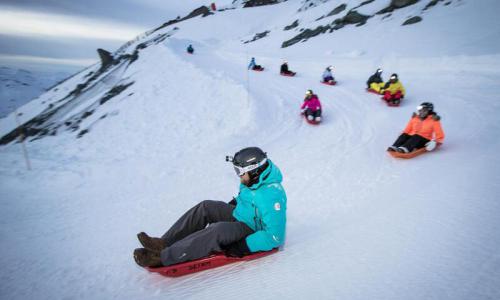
360, 224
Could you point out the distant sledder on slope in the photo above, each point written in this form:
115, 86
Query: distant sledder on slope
327, 77
422, 133
254, 66
254, 221
285, 71
311, 108
190, 49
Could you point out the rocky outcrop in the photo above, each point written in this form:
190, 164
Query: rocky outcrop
337, 10
412, 20
106, 58
396, 4
200, 11
291, 26
305, 35
253, 3
258, 36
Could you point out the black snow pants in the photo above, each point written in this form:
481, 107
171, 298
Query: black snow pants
315, 114
410, 142
190, 238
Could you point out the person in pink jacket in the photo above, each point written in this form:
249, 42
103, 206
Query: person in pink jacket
311, 107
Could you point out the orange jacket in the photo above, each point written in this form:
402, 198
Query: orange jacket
428, 128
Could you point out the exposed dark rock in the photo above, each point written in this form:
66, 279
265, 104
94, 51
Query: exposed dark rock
431, 4
106, 58
116, 90
258, 36
362, 4
202, 10
337, 10
291, 26
396, 4
253, 3
412, 20
304, 35
352, 17
82, 133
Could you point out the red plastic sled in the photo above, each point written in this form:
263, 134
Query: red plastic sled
408, 155
288, 74
329, 82
389, 103
202, 264
312, 122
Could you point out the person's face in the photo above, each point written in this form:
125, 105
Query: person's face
245, 178
422, 113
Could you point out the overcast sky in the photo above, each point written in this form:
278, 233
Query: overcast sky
64, 34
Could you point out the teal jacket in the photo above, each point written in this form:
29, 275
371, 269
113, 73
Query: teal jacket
263, 208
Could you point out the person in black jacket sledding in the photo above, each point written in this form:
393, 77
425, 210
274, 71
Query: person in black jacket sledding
284, 69
190, 49
375, 82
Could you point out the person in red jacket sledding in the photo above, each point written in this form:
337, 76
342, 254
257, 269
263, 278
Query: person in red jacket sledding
423, 130
311, 107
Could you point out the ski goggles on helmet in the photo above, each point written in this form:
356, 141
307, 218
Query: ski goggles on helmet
421, 109
393, 77
240, 171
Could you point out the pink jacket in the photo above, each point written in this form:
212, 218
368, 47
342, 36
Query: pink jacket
312, 103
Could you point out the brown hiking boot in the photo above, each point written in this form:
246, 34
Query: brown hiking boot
147, 258
151, 243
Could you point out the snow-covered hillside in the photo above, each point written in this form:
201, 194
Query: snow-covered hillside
18, 86
129, 146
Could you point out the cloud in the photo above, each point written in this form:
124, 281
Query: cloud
47, 60
39, 24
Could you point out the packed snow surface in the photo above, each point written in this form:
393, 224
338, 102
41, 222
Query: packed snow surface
361, 224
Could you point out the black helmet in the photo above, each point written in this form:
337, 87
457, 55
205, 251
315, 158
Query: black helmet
379, 71
252, 160
426, 105
394, 76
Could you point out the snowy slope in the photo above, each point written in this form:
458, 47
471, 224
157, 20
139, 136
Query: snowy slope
18, 86
361, 225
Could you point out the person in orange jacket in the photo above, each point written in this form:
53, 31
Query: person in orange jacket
423, 128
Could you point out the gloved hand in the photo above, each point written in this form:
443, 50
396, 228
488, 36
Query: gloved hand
237, 249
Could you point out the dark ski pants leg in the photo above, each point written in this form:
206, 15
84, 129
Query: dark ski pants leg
197, 218
205, 242
415, 142
401, 140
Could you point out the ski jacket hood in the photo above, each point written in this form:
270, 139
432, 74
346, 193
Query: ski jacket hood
262, 207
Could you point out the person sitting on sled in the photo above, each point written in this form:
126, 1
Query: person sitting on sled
253, 221
311, 107
393, 90
375, 82
423, 130
284, 69
327, 75
253, 66
190, 49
